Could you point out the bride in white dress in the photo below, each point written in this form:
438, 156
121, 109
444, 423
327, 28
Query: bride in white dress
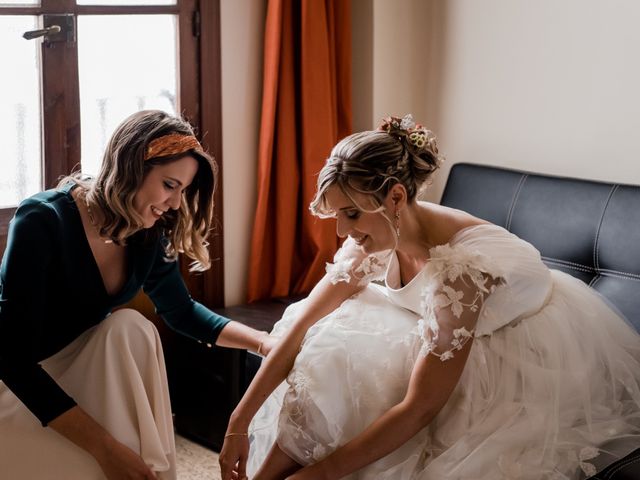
473, 361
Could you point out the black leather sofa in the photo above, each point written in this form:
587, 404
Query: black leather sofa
588, 229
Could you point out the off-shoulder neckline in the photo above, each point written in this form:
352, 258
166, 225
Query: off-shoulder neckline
456, 236
454, 239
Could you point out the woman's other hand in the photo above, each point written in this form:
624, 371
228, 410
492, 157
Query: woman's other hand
233, 457
119, 462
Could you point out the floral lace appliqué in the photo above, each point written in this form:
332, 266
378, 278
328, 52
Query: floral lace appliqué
372, 267
299, 382
448, 264
339, 270
586, 453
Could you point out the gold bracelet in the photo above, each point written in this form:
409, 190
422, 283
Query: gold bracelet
236, 434
259, 348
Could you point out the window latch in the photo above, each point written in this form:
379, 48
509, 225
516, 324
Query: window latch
55, 28
52, 30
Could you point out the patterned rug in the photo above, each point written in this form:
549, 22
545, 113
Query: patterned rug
196, 462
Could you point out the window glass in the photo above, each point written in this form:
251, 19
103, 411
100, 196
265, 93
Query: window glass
20, 115
135, 70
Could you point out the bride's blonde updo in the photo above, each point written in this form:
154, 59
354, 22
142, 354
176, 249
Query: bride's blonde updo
372, 162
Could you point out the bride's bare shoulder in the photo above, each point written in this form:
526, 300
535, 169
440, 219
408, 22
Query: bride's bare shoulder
449, 221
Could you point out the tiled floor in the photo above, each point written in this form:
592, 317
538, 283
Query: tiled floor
196, 462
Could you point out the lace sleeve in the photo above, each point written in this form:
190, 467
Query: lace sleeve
350, 262
458, 283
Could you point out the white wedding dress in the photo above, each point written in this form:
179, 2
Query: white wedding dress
550, 390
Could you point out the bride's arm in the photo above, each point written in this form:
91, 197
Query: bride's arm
431, 384
323, 299
449, 322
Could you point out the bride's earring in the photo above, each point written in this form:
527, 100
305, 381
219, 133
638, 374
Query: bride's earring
397, 217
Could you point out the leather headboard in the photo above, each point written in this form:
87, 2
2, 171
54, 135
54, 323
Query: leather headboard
588, 229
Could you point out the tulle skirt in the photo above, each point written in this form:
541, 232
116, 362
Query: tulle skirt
555, 395
115, 371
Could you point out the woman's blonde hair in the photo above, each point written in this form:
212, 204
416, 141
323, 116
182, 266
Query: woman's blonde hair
372, 162
122, 172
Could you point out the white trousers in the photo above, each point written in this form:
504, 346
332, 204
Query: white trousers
115, 371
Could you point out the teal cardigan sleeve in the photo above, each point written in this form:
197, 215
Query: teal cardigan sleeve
23, 290
169, 294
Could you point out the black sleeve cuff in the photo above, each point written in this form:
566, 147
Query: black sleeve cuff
37, 391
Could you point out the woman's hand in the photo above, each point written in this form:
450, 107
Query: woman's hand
119, 462
268, 343
281, 354
233, 457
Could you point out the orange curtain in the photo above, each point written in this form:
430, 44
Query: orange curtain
306, 109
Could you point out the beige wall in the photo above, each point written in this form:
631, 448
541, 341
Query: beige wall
392, 52
543, 85
546, 85
242, 23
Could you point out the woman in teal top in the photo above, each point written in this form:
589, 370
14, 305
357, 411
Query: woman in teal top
75, 253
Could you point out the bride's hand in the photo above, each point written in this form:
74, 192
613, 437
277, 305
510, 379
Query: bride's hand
233, 457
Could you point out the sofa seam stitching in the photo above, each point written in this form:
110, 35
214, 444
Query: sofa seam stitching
567, 263
514, 200
605, 272
615, 273
596, 253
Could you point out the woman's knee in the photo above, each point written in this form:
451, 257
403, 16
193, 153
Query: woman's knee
128, 324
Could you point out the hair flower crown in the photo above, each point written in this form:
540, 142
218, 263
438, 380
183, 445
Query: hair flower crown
414, 134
